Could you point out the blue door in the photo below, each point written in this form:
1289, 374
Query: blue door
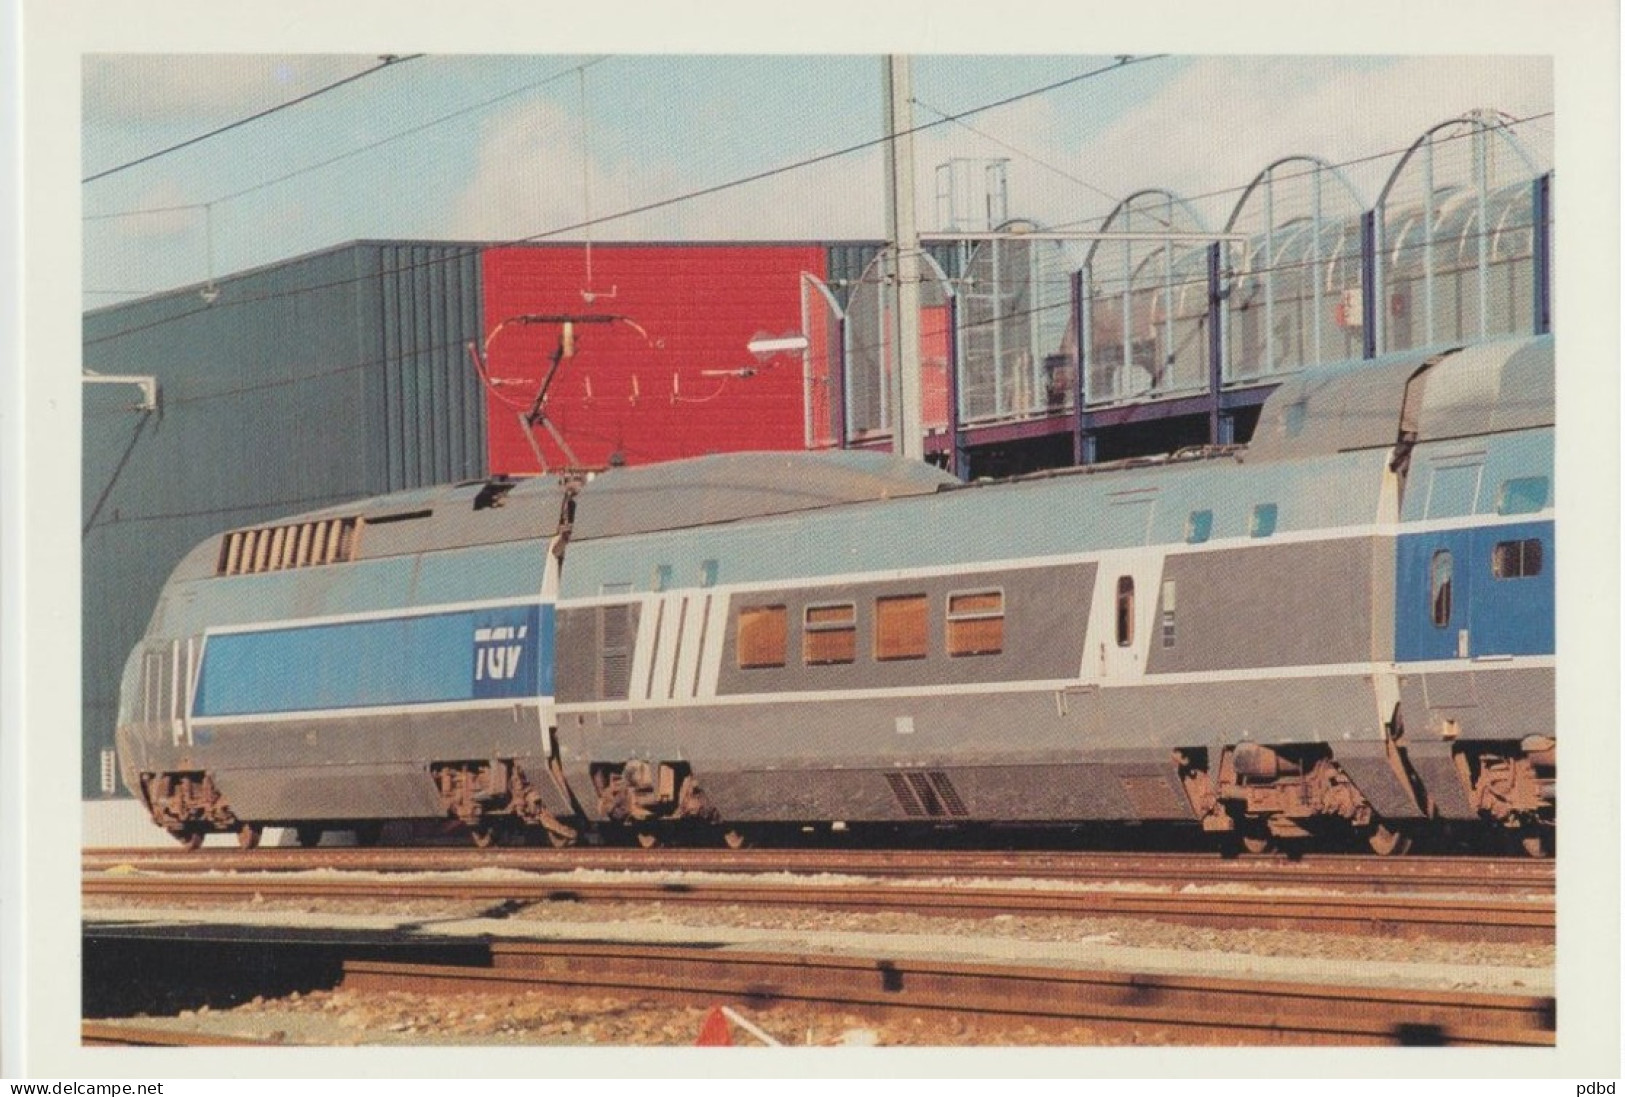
1434, 594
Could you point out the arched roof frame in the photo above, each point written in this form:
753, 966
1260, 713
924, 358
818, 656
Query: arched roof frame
1471, 120
1133, 204
1320, 169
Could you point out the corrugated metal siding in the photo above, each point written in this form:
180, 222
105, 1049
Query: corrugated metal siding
324, 379
428, 310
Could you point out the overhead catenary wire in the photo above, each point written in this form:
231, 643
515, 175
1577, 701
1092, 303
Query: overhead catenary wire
384, 62
663, 203
756, 177
1024, 154
360, 150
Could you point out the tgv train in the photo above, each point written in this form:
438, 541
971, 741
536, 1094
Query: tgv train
1343, 629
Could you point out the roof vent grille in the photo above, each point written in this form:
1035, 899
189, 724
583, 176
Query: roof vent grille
301, 545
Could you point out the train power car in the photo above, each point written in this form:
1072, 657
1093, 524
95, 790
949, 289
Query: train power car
389, 660
1344, 628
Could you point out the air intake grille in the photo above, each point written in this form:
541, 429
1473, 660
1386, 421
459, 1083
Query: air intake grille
615, 636
276, 548
927, 794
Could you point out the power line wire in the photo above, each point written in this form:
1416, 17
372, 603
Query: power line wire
758, 176
330, 161
387, 61
662, 203
1062, 172
704, 192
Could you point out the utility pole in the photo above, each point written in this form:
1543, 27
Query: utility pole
908, 430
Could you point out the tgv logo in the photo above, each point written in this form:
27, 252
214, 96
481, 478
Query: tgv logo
497, 651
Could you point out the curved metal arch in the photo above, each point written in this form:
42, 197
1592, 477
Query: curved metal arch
1173, 200
1186, 258
1321, 166
1397, 245
1498, 128
1510, 202
926, 259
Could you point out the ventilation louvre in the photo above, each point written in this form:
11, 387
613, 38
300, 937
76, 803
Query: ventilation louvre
277, 548
927, 794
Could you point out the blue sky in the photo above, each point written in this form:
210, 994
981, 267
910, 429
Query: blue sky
509, 165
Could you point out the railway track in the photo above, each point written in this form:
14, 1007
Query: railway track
1142, 1008
119, 1034
1395, 916
1193, 1009
1348, 874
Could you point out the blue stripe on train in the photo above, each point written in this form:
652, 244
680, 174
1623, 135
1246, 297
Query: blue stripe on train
456, 656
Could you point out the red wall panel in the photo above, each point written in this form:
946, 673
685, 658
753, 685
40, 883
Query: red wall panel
645, 394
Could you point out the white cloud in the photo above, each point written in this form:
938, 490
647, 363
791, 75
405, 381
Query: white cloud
1211, 128
527, 176
1223, 120
205, 87
527, 180
173, 218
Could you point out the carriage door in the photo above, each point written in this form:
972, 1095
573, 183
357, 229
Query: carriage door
1435, 592
1438, 574
1126, 591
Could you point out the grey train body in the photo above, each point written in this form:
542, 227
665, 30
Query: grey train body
1345, 626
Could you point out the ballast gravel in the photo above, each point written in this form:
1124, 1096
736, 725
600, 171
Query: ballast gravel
345, 1017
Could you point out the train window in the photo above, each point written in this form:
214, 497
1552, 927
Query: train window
1517, 559
1441, 572
1125, 611
900, 627
1523, 495
1294, 417
708, 573
975, 622
762, 636
1198, 527
662, 577
830, 634
1263, 523
1167, 613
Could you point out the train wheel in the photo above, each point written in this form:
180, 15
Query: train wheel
368, 834
249, 834
1387, 841
648, 839
1535, 841
484, 835
735, 839
1258, 842
190, 838
308, 837
561, 841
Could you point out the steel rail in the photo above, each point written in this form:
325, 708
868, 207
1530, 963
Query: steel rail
1185, 1008
1454, 918
115, 1034
1360, 874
